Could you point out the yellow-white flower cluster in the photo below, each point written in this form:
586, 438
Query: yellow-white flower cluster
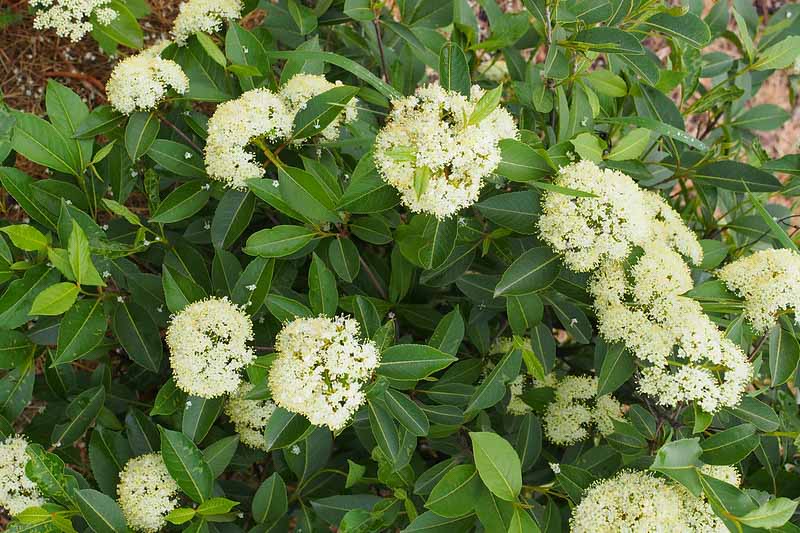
249, 417
262, 115
258, 113
141, 81
204, 16
302, 87
687, 357
71, 18
769, 281
576, 408
516, 387
589, 230
639, 502
433, 155
17, 491
147, 492
208, 342
321, 369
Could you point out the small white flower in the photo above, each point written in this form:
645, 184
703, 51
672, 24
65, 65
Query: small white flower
206, 225
187, 155
105, 227
206, 187
120, 299
249, 417
106, 274
251, 288
276, 183
295, 449
68, 202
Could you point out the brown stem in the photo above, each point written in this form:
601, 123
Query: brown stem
376, 24
177, 130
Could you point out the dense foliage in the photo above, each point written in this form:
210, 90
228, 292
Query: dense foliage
373, 266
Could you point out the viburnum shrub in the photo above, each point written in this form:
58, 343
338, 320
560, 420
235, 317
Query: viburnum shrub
365, 266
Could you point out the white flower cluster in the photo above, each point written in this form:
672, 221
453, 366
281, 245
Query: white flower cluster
70, 18
17, 491
639, 502
516, 387
235, 123
208, 343
321, 369
302, 87
589, 230
203, 16
263, 115
688, 358
769, 282
576, 408
431, 153
140, 82
249, 417
147, 492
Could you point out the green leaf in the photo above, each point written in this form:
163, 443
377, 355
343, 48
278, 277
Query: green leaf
211, 48
631, 146
216, 506
661, 128
355, 472
776, 230
183, 202
121, 211
384, 430
321, 110
412, 362
493, 388
124, 29
322, 292
618, 366
180, 515
199, 415
20, 186
764, 117
779, 55
454, 69
81, 412
231, 217
497, 464
679, 460
407, 412
25, 237
82, 329
16, 301
270, 501
219, 454
522, 522
344, 258
102, 119
535, 270
179, 290
186, 465
736, 176
529, 441
730, 446
284, 429
606, 82
756, 412
457, 493
358, 10
307, 195
771, 514
430, 522
367, 192
486, 105
177, 158
140, 133
687, 27
517, 211
341, 62
42, 143
47, 471
609, 40
80, 258
449, 333
522, 163
55, 299
278, 241
438, 241
101, 512
784, 354
138, 335
259, 273
589, 146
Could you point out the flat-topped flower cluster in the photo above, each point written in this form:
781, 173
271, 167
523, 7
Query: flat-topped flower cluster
436, 153
262, 115
639, 297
